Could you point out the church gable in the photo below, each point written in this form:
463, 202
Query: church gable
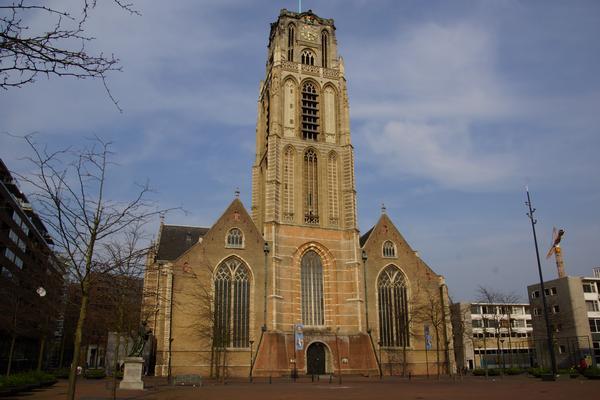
384, 245
233, 234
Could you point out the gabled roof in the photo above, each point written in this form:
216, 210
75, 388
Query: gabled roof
365, 237
176, 240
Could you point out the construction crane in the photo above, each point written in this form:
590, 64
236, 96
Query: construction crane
555, 249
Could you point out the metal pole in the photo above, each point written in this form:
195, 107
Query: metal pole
364, 259
543, 290
426, 362
250, 374
266, 273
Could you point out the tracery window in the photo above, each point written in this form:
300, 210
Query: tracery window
389, 249
324, 45
290, 52
311, 271
288, 184
235, 238
393, 308
311, 188
232, 304
307, 57
310, 112
332, 184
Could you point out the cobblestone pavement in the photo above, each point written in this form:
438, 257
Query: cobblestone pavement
508, 388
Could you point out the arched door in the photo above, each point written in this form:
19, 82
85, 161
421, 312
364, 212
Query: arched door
315, 359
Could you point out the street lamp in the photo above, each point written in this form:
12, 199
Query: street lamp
542, 288
266, 250
379, 343
502, 352
251, 363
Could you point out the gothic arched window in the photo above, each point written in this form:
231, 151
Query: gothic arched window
311, 188
235, 238
310, 112
232, 304
389, 249
307, 57
288, 184
332, 185
393, 308
311, 271
290, 52
324, 45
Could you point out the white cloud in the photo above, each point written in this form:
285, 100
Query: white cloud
435, 82
443, 153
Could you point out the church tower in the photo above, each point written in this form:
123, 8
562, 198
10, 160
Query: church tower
303, 192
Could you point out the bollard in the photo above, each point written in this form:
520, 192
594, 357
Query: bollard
270, 381
410, 376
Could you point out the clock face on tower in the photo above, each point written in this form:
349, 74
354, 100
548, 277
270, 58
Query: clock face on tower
308, 33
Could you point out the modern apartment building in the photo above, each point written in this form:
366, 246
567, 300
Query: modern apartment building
574, 315
492, 335
30, 282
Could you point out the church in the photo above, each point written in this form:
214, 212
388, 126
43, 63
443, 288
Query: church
291, 287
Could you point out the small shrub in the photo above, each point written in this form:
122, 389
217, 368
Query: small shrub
538, 371
94, 374
25, 379
493, 372
479, 372
592, 373
513, 371
62, 373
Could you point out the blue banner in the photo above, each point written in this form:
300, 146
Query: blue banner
427, 338
299, 336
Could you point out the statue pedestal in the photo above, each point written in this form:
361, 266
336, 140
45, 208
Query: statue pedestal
132, 376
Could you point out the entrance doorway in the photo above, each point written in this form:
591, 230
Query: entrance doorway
315, 359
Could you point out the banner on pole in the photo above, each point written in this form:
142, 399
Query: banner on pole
299, 336
427, 337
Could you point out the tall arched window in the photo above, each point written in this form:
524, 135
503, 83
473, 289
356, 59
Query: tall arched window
311, 188
307, 57
324, 47
311, 271
232, 304
389, 249
288, 184
290, 52
310, 112
332, 185
393, 308
235, 238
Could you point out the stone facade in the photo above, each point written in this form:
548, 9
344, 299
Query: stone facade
299, 258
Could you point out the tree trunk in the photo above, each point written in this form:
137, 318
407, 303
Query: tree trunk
78, 337
41, 355
116, 366
10, 353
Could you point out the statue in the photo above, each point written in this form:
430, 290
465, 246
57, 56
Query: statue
140, 340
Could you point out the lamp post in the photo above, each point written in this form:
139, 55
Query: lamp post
251, 362
502, 352
542, 288
379, 343
364, 259
266, 250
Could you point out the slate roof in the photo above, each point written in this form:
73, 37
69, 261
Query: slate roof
365, 237
176, 240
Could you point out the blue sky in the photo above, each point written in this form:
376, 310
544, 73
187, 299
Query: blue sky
455, 106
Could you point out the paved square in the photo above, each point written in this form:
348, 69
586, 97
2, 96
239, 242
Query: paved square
508, 388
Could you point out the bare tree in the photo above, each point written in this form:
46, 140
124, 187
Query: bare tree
127, 256
58, 49
70, 192
431, 311
501, 316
